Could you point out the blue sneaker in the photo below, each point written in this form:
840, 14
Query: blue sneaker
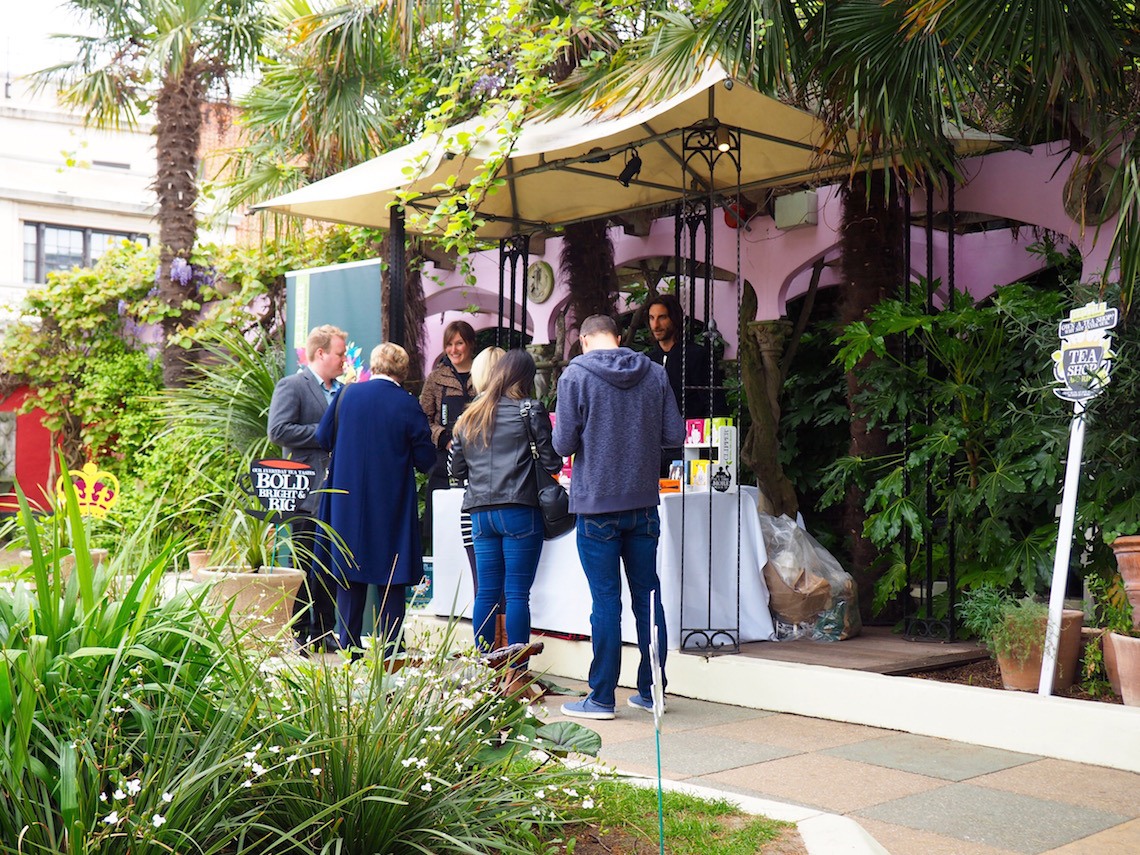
587, 708
637, 702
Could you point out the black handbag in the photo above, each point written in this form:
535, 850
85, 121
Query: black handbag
553, 500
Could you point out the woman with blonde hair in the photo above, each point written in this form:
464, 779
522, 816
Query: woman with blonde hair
491, 449
481, 369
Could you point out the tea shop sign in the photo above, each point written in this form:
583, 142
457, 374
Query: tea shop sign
1083, 363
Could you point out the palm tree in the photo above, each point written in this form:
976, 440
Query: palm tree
169, 58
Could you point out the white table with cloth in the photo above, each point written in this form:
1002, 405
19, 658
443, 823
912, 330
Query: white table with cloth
560, 597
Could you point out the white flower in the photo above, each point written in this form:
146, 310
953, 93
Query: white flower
540, 794
133, 786
292, 757
249, 755
167, 797
258, 769
274, 749
426, 788
316, 770
102, 797
588, 803
112, 818
157, 821
118, 795
522, 738
245, 785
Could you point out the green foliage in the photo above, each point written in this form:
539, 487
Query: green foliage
81, 359
1008, 627
134, 724
986, 436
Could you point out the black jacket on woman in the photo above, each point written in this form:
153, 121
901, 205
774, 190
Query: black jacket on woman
500, 472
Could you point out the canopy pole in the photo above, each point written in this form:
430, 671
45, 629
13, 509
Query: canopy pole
397, 276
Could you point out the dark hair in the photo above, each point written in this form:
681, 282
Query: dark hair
672, 306
465, 330
512, 377
599, 324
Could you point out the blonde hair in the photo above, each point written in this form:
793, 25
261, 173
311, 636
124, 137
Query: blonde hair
512, 377
390, 359
483, 365
321, 339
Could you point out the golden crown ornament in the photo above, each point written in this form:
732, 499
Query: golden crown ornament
96, 489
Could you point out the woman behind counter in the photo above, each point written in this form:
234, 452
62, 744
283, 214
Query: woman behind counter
378, 435
491, 450
447, 391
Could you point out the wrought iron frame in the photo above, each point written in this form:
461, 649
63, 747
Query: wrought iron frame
922, 624
704, 146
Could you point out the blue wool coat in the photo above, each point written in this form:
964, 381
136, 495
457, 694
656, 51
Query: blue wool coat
378, 438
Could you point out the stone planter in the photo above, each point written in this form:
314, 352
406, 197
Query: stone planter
1126, 653
1111, 667
262, 601
1127, 551
1024, 674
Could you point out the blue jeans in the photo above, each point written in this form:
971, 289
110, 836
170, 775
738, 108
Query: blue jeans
603, 539
508, 543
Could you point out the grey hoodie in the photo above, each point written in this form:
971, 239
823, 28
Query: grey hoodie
616, 411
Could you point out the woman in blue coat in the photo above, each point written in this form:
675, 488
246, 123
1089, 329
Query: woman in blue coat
378, 436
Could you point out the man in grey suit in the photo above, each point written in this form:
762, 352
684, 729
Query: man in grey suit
298, 403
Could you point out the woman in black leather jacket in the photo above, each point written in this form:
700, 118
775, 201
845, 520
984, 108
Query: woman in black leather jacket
490, 449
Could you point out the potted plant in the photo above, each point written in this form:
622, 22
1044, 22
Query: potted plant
261, 594
1014, 631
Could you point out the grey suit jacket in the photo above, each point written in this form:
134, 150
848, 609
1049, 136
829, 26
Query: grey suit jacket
294, 413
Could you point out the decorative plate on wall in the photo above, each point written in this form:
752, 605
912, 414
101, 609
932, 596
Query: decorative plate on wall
539, 281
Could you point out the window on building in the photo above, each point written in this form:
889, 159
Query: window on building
49, 248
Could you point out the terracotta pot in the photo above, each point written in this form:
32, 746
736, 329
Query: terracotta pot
262, 601
67, 562
1127, 551
1127, 651
1024, 675
198, 560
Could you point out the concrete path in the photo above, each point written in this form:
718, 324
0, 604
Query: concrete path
914, 795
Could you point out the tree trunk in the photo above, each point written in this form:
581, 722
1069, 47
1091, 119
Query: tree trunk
760, 351
872, 264
178, 132
414, 308
587, 261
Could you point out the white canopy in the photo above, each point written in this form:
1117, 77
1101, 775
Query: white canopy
564, 170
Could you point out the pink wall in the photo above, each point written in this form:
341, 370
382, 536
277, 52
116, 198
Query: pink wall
1025, 187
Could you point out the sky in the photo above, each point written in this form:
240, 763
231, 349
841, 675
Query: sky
24, 42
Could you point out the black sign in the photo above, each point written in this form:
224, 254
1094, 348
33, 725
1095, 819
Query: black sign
278, 485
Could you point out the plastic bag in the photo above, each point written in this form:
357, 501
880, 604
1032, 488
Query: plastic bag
811, 595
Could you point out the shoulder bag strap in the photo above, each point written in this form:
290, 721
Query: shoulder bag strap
525, 411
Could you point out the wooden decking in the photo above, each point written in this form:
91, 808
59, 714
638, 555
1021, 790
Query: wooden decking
876, 649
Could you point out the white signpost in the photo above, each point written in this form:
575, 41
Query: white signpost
1082, 367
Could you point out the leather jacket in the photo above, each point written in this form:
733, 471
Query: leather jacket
500, 473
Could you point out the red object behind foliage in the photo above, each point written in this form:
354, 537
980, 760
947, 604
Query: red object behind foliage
33, 453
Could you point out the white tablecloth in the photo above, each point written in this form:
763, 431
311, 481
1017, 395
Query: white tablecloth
560, 597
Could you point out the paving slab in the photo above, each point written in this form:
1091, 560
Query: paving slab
994, 818
900, 840
1120, 840
689, 754
798, 732
1111, 790
925, 755
817, 780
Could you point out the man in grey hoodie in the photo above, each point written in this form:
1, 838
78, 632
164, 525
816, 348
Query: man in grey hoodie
616, 411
